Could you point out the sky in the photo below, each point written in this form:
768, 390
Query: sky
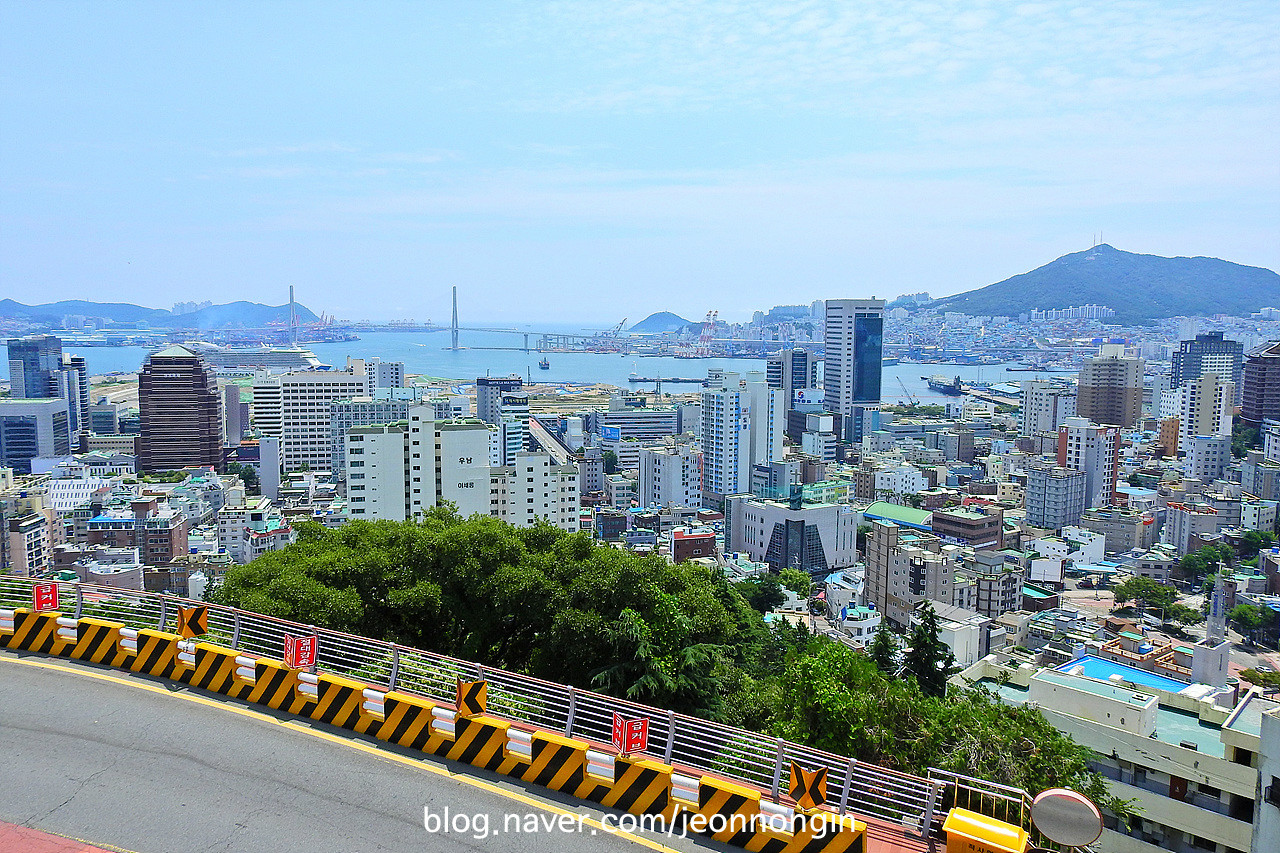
598, 160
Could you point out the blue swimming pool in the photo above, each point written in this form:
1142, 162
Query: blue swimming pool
1095, 667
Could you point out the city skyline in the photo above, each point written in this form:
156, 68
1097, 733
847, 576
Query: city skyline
620, 161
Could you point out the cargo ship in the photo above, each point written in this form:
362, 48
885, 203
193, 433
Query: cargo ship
944, 385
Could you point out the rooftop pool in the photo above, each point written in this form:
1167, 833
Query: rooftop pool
1101, 669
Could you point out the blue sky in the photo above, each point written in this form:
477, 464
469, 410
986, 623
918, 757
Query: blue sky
594, 160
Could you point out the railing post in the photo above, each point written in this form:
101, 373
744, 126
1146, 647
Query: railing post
671, 737
79, 601
235, 629
777, 772
573, 707
926, 820
848, 782
395, 668
164, 613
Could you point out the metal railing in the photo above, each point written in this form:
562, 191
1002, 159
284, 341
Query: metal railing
693, 744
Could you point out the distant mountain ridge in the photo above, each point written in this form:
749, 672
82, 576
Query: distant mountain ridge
234, 314
1137, 287
662, 321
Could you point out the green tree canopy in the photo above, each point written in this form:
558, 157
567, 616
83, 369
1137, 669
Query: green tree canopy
929, 660
1147, 592
796, 581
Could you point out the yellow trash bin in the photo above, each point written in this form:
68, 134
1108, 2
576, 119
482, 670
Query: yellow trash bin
970, 832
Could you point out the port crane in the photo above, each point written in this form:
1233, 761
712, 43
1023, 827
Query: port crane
910, 397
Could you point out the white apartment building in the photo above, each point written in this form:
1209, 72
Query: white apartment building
1045, 406
536, 488
1208, 457
249, 527
296, 408
671, 476
1203, 406
905, 567
726, 442
377, 458
1095, 450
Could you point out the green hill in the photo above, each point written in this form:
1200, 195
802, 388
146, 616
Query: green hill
1138, 287
236, 314
662, 321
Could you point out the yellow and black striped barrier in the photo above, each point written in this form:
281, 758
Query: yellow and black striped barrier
37, 632
635, 784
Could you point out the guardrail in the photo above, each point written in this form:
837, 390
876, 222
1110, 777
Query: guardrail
703, 746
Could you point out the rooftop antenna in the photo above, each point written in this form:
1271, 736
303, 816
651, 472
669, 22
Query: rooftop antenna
454, 328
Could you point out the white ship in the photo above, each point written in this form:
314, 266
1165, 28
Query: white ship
274, 358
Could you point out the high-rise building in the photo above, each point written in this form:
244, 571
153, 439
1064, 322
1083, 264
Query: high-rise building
32, 429
1209, 353
1260, 396
1055, 496
1095, 450
295, 407
1110, 389
73, 386
233, 431
671, 476
743, 423
1045, 405
34, 363
489, 393
180, 412
854, 336
792, 370
360, 411
1202, 406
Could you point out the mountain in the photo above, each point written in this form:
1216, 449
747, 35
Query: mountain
663, 321
236, 314
1138, 287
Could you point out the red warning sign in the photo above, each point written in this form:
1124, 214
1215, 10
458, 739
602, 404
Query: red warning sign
300, 652
630, 735
44, 596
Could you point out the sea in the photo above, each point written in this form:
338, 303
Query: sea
427, 354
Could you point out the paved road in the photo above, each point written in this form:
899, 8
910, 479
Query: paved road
148, 766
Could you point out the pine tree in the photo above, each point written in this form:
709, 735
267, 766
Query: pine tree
884, 652
929, 660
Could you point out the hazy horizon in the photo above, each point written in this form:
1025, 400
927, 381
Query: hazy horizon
609, 160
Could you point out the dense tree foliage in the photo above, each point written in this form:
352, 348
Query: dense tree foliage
558, 606
929, 661
1147, 593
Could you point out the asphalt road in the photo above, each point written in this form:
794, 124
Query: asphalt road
149, 766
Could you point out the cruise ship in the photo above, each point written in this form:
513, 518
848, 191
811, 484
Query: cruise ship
272, 358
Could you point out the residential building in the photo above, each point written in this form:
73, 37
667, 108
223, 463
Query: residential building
296, 408
535, 489
906, 567
1209, 353
1260, 395
977, 527
360, 411
1055, 496
671, 476
157, 530
621, 492
642, 423
1202, 406
180, 412
997, 581
1208, 457
1095, 450
1186, 522
1123, 529
249, 527
691, 543
1260, 476
377, 471
1045, 405
33, 429
726, 441
854, 338
1110, 388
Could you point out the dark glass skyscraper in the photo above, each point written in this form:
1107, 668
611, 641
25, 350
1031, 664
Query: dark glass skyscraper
851, 370
34, 364
180, 412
